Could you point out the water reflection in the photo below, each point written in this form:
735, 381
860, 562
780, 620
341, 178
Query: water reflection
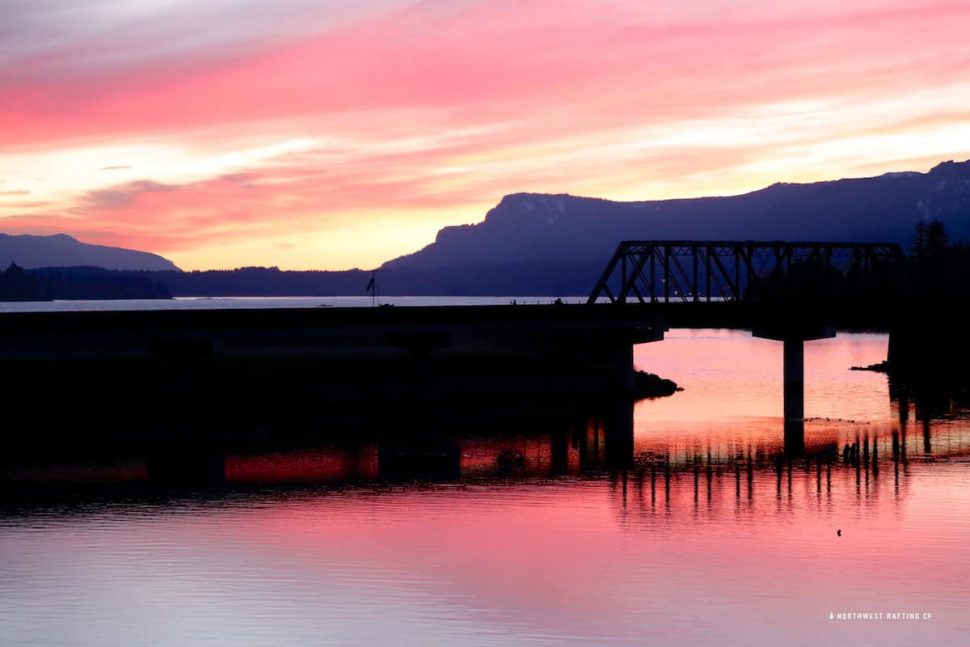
521, 524
716, 458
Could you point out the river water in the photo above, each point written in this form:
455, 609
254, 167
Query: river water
249, 303
708, 539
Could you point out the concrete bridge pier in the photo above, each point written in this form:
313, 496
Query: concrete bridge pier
794, 395
793, 337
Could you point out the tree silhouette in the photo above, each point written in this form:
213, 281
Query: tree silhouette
929, 240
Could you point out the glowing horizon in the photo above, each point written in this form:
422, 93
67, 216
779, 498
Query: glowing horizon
323, 135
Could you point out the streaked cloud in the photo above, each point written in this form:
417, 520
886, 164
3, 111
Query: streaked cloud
347, 133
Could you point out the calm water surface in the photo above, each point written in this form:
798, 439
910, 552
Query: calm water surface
708, 540
249, 303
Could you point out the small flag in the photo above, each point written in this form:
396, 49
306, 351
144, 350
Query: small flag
370, 284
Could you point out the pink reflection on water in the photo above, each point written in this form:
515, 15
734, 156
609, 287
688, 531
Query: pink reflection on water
706, 541
727, 374
607, 562
733, 396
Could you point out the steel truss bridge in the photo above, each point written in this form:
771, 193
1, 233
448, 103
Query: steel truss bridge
741, 271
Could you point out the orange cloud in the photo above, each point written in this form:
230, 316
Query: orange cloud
416, 116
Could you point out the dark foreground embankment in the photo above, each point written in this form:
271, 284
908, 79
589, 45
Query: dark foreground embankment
179, 383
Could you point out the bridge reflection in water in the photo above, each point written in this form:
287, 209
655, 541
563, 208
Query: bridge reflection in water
656, 472
472, 507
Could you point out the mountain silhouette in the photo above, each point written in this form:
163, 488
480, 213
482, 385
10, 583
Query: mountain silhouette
61, 250
530, 228
557, 245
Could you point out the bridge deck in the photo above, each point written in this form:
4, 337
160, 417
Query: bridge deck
52, 332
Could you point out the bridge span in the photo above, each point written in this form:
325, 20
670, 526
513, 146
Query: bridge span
747, 271
792, 292
121, 369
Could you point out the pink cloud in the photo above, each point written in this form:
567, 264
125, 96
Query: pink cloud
482, 63
551, 96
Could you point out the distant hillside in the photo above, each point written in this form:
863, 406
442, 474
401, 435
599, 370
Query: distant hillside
556, 245
539, 228
61, 250
45, 284
260, 282
526, 279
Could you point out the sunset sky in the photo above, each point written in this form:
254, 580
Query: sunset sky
331, 134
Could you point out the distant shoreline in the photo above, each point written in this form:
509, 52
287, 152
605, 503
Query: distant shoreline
269, 302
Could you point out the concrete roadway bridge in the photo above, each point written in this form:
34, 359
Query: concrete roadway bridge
247, 361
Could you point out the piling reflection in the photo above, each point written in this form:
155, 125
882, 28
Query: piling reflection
655, 445
750, 463
553, 521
